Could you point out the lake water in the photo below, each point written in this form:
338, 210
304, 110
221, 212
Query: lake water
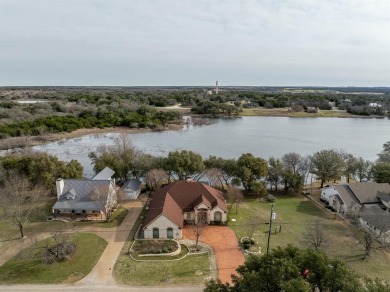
229, 138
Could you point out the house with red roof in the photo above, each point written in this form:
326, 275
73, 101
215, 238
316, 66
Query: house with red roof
181, 201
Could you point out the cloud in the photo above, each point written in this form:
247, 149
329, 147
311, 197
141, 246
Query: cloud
301, 42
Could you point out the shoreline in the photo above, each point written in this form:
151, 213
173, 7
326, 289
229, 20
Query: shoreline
28, 141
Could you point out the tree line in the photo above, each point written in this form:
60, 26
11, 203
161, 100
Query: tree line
254, 174
111, 106
143, 117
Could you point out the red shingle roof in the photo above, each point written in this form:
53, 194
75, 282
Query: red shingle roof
182, 196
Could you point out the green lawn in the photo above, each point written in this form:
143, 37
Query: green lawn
294, 214
190, 270
25, 268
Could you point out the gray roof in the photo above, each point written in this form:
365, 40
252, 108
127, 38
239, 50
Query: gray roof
83, 194
105, 174
347, 195
384, 196
132, 184
376, 217
366, 192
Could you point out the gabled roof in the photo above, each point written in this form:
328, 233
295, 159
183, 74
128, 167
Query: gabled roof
366, 192
385, 197
346, 195
182, 196
83, 194
361, 192
376, 217
132, 184
105, 174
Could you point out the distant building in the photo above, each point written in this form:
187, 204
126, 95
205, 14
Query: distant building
216, 87
209, 92
374, 105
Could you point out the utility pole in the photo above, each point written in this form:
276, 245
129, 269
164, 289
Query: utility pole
271, 217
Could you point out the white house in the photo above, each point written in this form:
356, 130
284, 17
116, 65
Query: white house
182, 201
91, 199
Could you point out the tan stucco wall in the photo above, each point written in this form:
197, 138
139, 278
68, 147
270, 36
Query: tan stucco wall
162, 223
217, 209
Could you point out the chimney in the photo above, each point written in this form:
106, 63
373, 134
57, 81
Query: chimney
59, 186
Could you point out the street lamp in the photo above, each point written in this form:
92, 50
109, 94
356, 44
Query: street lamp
271, 217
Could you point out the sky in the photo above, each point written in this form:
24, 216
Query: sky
194, 43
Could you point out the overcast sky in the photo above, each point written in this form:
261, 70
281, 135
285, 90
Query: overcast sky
180, 42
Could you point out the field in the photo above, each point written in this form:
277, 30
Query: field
294, 214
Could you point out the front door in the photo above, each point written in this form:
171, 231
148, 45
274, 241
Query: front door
202, 216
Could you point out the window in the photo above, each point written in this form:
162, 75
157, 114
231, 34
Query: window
218, 216
156, 233
169, 232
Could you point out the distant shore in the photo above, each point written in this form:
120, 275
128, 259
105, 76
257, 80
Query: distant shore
22, 142
276, 112
28, 141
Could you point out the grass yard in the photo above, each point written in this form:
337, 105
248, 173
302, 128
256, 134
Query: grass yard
294, 214
190, 270
25, 268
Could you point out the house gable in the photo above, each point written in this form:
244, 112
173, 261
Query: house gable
182, 197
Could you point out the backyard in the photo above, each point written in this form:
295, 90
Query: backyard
293, 216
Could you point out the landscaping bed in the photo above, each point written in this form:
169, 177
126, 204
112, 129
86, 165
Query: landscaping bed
141, 247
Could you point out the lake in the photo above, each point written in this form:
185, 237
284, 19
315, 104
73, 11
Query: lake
229, 138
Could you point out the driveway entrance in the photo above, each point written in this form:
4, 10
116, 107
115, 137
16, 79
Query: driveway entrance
225, 244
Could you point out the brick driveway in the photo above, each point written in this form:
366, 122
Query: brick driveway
225, 244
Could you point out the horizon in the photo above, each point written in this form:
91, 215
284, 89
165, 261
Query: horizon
188, 43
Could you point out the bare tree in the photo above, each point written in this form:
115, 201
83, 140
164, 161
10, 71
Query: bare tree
197, 227
251, 224
234, 197
368, 236
156, 177
19, 198
215, 177
315, 234
105, 196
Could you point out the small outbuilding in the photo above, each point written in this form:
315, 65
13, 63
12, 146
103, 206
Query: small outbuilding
131, 189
